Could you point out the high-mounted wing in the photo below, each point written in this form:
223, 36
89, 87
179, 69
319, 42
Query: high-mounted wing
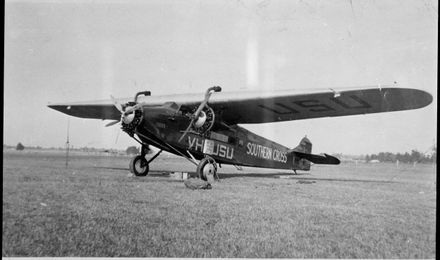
288, 105
262, 107
103, 109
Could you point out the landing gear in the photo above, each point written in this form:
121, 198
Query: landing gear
207, 169
139, 166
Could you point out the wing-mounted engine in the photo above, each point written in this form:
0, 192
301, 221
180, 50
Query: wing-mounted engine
130, 121
131, 113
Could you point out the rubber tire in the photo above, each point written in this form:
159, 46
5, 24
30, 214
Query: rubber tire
203, 163
134, 169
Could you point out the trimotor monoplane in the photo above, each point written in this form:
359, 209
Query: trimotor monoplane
206, 132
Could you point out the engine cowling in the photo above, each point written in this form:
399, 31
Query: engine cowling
130, 121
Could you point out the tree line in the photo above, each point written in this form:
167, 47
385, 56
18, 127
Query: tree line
413, 157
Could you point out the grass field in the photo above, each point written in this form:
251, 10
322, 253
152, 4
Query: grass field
96, 208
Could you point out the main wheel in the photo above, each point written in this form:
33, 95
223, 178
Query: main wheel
207, 169
139, 166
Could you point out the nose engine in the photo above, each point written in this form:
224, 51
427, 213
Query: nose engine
204, 121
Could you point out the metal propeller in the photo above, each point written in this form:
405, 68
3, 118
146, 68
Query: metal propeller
112, 123
124, 113
119, 108
202, 105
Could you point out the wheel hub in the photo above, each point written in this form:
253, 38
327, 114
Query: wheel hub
209, 170
140, 167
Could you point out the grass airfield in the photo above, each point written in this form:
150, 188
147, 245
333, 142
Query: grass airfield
95, 207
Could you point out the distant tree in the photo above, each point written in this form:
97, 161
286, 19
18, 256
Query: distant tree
406, 157
434, 156
399, 157
413, 157
367, 158
392, 157
20, 147
416, 156
132, 150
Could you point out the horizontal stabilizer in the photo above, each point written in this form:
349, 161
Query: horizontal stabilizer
317, 159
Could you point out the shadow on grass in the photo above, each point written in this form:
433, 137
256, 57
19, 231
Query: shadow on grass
302, 177
253, 175
111, 168
280, 175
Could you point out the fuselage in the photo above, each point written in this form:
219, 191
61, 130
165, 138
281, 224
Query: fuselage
162, 127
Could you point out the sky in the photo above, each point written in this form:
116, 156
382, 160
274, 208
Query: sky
65, 51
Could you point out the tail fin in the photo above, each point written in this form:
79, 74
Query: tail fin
305, 146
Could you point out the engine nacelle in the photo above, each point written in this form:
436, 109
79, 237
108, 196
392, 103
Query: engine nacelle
130, 121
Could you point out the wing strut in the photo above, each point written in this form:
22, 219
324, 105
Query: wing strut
169, 146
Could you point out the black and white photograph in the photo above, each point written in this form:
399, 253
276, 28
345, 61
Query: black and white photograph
220, 129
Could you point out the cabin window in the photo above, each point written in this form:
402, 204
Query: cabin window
220, 137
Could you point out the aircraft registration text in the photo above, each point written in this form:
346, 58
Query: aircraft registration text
211, 147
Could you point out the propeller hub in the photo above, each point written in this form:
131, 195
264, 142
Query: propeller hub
131, 114
200, 120
127, 119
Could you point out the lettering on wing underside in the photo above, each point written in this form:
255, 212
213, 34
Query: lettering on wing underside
312, 105
285, 109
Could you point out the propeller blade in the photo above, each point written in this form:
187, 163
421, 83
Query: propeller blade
128, 111
200, 108
112, 123
205, 101
117, 105
117, 137
187, 130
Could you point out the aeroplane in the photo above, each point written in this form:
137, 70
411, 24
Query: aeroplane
205, 131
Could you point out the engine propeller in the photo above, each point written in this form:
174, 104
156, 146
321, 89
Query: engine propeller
199, 117
120, 109
128, 112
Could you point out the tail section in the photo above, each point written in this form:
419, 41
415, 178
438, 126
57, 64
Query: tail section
303, 157
305, 146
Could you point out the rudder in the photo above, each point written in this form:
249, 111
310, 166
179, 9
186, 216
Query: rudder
305, 146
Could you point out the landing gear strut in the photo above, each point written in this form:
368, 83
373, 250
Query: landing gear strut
207, 169
139, 165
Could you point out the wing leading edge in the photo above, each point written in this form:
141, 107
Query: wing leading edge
276, 106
